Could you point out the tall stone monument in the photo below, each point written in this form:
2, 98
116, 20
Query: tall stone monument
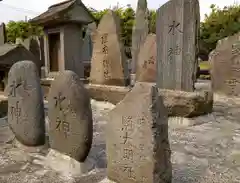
109, 64
177, 44
3, 36
25, 104
140, 32
146, 65
225, 66
137, 138
70, 116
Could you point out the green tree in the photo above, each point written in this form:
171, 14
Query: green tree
152, 21
218, 24
21, 29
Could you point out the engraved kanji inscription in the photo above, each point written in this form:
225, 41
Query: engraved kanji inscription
174, 51
13, 87
128, 154
63, 125
105, 68
15, 112
130, 172
58, 100
174, 27
126, 137
105, 49
104, 38
127, 123
150, 61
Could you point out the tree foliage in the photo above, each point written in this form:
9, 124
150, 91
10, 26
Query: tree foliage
218, 24
21, 29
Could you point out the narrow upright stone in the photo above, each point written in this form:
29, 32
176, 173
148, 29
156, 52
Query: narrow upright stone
137, 138
140, 31
177, 44
70, 116
146, 66
109, 65
25, 104
3, 36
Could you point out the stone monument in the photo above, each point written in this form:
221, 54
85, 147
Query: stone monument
139, 34
137, 138
146, 65
3, 37
25, 104
225, 66
70, 116
177, 44
109, 65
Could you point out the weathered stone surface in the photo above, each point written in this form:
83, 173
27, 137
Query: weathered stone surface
25, 104
187, 104
137, 138
140, 31
146, 65
112, 94
225, 66
70, 116
177, 31
109, 64
3, 37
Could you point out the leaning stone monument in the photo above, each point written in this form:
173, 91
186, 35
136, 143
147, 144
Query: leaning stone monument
109, 64
146, 65
225, 66
139, 34
177, 44
137, 138
25, 104
70, 116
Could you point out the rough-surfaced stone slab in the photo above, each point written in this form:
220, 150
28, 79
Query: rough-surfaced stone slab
187, 104
146, 65
70, 116
25, 104
109, 65
225, 66
177, 44
112, 94
137, 138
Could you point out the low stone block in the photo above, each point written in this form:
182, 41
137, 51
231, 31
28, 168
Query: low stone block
187, 104
112, 94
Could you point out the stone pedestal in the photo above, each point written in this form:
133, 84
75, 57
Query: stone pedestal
65, 164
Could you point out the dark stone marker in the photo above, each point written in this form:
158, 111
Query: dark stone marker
138, 149
70, 116
25, 104
3, 37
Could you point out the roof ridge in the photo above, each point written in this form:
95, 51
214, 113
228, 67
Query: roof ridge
61, 3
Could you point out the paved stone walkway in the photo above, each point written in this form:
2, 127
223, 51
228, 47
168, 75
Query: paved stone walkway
205, 149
